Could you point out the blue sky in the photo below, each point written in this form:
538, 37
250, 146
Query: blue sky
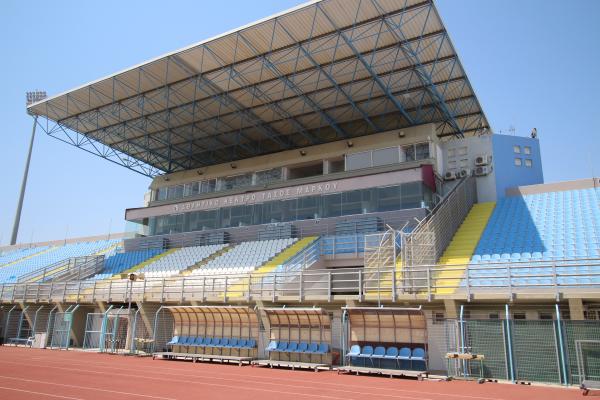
532, 64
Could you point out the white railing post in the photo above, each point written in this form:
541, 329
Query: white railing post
394, 285
301, 287
182, 289
249, 296
555, 280
162, 291
468, 275
109, 290
360, 285
329, 286
429, 282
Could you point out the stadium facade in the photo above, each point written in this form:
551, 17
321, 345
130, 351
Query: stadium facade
324, 177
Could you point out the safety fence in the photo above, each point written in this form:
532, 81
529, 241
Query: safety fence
547, 350
552, 351
551, 278
108, 331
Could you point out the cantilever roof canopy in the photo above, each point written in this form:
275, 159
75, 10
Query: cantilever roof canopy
323, 71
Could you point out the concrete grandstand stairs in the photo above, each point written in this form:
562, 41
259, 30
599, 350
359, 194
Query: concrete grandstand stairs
219, 253
458, 254
238, 288
385, 285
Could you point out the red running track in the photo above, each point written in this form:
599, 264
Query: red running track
52, 374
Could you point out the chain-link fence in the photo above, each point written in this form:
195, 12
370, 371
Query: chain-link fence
587, 333
550, 351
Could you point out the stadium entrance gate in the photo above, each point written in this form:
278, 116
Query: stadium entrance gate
60, 328
107, 332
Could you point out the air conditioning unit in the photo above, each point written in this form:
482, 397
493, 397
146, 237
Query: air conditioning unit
463, 173
449, 176
483, 160
483, 170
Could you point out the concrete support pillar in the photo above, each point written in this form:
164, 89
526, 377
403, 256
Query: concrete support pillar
452, 308
576, 309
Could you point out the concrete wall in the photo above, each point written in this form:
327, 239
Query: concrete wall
507, 173
312, 153
461, 153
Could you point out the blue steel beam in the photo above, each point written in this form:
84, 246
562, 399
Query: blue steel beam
366, 65
407, 50
332, 122
328, 76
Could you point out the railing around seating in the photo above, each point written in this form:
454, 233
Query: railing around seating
75, 268
502, 279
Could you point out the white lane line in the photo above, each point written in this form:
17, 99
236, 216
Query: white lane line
86, 388
247, 378
40, 393
229, 386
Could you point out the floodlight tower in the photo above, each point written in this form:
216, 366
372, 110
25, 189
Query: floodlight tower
32, 97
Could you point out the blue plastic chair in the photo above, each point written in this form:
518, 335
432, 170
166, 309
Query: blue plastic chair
271, 347
224, 342
378, 354
250, 343
233, 342
313, 347
292, 347
323, 348
366, 352
242, 343
174, 340
354, 351
391, 356
216, 342
418, 356
404, 358
282, 347
182, 340
198, 341
302, 347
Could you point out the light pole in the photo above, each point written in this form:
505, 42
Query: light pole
32, 97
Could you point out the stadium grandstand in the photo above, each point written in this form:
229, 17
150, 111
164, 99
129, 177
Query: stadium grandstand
326, 193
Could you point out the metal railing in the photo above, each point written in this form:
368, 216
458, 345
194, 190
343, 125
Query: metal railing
498, 280
426, 243
76, 268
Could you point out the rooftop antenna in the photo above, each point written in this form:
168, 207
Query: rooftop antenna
512, 130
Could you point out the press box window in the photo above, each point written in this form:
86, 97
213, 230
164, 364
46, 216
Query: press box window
517, 149
518, 162
336, 166
528, 163
526, 149
385, 156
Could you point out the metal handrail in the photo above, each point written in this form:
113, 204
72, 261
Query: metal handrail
353, 282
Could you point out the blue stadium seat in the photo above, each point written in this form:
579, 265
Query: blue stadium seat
302, 347
542, 228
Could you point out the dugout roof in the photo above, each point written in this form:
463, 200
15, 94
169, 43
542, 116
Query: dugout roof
323, 71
